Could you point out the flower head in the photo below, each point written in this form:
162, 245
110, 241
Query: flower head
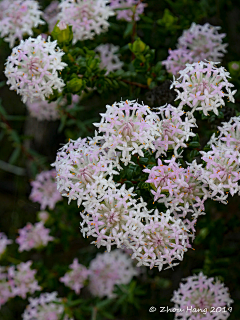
204, 42
222, 171
108, 270
178, 188
128, 127
201, 293
129, 9
32, 68
110, 217
44, 190
176, 129
4, 241
87, 17
22, 279
109, 58
76, 278
230, 133
19, 17
33, 236
46, 307
82, 168
162, 240
203, 87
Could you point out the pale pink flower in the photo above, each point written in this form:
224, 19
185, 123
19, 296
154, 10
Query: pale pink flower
32, 68
109, 58
46, 307
43, 216
202, 86
5, 289
201, 294
162, 240
33, 236
22, 279
76, 277
204, 42
44, 190
129, 127
18, 19
87, 17
108, 270
4, 242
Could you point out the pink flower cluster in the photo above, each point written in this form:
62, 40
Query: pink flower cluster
4, 241
199, 294
17, 281
32, 68
44, 190
76, 278
128, 10
33, 236
46, 307
202, 86
87, 17
108, 270
176, 129
18, 19
112, 214
178, 188
196, 44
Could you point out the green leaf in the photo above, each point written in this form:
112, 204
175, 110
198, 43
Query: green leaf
194, 144
128, 30
14, 156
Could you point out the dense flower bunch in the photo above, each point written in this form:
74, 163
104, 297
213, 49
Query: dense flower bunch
196, 44
32, 68
112, 214
87, 17
17, 281
50, 14
108, 270
204, 42
4, 241
19, 17
176, 129
202, 86
178, 188
198, 295
76, 278
46, 307
44, 190
128, 10
33, 236
109, 58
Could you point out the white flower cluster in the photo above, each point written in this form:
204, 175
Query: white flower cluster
203, 86
18, 18
87, 17
32, 68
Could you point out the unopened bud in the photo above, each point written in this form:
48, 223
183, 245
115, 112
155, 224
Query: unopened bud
62, 33
75, 85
